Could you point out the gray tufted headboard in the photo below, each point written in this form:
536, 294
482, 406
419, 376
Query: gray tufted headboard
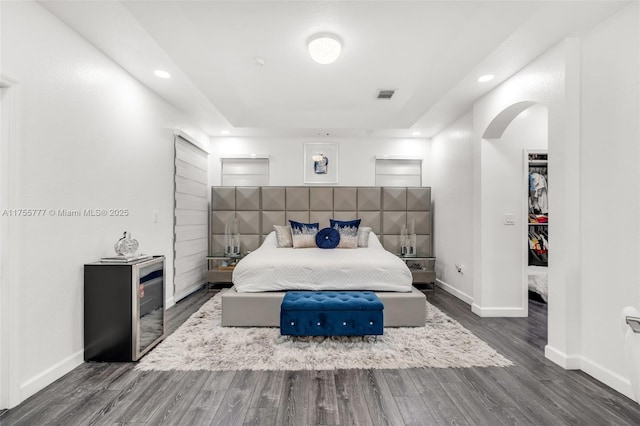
258, 208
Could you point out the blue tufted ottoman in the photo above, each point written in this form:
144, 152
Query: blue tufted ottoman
331, 313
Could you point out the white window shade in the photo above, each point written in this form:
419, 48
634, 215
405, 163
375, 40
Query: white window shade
190, 215
245, 171
398, 172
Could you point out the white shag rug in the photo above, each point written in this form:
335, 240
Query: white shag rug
201, 343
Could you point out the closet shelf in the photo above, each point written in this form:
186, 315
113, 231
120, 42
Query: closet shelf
539, 224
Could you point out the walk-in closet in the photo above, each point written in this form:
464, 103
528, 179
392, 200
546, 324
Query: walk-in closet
538, 226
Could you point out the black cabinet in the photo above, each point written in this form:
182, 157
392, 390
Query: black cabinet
123, 309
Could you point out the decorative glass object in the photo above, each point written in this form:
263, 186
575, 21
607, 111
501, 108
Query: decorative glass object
404, 241
126, 246
412, 251
411, 240
232, 239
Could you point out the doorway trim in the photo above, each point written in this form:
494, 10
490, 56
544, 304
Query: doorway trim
525, 231
10, 394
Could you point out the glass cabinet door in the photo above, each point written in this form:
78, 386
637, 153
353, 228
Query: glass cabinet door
151, 304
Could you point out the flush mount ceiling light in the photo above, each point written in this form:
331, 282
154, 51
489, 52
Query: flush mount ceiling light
416, 133
324, 48
225, 132
162, 74
485, 78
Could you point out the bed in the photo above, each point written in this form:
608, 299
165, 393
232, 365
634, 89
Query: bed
260, 283
270, 268
538, 277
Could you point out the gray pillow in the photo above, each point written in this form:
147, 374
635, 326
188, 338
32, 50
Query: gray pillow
283, 236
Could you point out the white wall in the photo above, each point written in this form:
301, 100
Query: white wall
452, 195
502, 172
591, 87
610, 191
503, 184
499, 186
89, 136
356, 157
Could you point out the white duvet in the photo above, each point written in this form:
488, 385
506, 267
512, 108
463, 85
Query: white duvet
270, 268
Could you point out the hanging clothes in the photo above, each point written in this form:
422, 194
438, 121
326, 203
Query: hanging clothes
538, 200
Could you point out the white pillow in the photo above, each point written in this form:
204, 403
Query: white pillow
363, 236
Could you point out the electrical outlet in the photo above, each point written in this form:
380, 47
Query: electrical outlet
509, 219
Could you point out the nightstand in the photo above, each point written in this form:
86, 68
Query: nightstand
422, 268
216, 272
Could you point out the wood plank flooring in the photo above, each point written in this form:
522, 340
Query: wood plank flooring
534, 391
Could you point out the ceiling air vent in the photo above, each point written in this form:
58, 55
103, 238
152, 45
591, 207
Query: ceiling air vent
386, 94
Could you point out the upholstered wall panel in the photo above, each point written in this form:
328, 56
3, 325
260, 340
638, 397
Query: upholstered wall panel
391, 243
371, 219
298, 216
297, 198
223, 197
423, 242
220, 219
248, 198
394, 199
216, 245
249, 242
272, 218
345, 215
272, 198
369, 199
421, 221
385, 209
322, 217
249, 222
321, 198
393, 221
344, 198
419, 199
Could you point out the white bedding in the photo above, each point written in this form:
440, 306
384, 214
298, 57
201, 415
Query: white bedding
539, 280
270, 269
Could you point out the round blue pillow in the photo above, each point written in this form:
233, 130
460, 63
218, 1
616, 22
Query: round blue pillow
327, 238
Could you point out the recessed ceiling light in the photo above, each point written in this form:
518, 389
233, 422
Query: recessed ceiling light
162, 74
225, 132
324, 48
485, 78
416, 133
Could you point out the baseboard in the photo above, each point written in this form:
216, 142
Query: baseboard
455, 292
186, 292
595, 370
50, 375
568, 362
169, 303
608, 377
498, 312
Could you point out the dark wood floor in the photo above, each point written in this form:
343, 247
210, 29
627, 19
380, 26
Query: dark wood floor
534, 391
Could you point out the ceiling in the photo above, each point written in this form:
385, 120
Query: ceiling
430, 52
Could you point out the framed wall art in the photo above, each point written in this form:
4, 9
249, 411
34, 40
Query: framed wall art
321, 163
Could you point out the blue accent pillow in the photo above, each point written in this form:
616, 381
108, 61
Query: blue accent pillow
304, 234
327, 238
348, 230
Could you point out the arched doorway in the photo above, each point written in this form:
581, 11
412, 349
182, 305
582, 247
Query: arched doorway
514, 131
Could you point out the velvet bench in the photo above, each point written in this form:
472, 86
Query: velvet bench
331, 313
